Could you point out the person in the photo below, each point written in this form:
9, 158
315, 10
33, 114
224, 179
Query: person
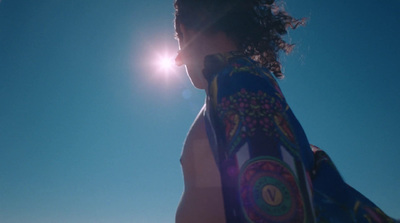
246, 157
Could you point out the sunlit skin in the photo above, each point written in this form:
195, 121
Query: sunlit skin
202, 197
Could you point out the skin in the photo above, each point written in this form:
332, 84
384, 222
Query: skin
194, 46
202, 197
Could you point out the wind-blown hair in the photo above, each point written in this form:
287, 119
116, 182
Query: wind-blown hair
256, 26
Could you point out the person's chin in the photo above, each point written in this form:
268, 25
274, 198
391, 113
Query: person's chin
198, 83
199, 86
196, 79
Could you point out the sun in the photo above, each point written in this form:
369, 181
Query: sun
161, 61
166, 63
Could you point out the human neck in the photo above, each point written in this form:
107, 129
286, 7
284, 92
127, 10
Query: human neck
208, 45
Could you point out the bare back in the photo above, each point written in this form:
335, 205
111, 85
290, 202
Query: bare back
202, 198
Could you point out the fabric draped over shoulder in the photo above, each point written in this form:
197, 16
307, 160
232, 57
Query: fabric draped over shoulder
268, 171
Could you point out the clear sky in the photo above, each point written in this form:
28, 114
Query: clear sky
91, 129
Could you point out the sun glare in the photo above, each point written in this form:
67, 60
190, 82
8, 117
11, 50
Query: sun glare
166, 63
162, 64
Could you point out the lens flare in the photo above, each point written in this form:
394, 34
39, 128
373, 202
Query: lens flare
166, 63
159, 61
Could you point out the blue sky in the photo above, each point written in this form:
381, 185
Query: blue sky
91, 130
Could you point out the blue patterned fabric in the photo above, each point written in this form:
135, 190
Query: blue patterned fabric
269, 172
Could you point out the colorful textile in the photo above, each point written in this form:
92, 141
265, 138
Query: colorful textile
268, 171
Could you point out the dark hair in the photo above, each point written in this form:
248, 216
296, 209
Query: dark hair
257, 26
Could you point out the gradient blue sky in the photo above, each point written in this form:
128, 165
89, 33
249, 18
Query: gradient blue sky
91, 130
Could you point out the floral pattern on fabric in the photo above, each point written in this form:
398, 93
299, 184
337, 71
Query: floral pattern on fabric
251, 119
246, 112
263, 154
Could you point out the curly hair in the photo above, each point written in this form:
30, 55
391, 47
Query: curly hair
256, 26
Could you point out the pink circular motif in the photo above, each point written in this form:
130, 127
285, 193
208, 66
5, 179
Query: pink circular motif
269, 193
